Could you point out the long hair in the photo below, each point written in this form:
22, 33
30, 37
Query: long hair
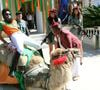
79, 13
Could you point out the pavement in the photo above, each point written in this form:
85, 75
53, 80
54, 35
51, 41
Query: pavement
89, 71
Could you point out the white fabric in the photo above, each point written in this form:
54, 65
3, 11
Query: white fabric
76, 64
60, 43
19, 39
76, 67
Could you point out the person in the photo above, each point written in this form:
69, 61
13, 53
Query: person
65, 39
35, 23
30, 20
63, 4
22, 24
70, 10
23, 10
51, 19
19, 39
75, 20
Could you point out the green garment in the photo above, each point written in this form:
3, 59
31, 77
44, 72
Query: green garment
20, 79
29, 53
13, 24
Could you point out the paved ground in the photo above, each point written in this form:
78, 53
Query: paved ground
90, 71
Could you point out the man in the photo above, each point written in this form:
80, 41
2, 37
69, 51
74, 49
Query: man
19, 39
30, 20
65, 39
22, 24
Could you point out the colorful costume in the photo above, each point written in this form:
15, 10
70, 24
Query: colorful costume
17, 37
68, 40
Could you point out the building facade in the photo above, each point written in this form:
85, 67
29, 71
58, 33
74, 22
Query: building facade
40, 7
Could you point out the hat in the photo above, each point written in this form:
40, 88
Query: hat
53, 10
19, 12
56, 24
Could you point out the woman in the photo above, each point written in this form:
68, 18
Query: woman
52, 18
76, 21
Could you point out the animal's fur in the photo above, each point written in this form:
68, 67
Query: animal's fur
58, 76
6, 56
54, 78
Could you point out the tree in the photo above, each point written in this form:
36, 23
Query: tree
91, 16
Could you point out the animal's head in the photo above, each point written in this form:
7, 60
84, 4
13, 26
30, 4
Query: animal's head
60, 69
57, 58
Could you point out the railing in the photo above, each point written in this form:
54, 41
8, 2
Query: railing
93, 34
89, 32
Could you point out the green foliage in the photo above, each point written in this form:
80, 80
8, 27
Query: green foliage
91, 16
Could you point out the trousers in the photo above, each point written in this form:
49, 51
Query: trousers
19, 39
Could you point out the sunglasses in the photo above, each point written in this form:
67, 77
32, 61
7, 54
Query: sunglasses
7, 14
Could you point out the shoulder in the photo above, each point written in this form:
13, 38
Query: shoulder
23, 21
70, 16
14, 23
1, 25
66, 31
2, 22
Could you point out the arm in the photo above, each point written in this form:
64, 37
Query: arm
81, 52
44, 40
79, 46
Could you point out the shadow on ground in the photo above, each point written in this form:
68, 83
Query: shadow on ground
89, 51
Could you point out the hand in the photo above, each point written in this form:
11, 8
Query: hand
81, 63
81, 60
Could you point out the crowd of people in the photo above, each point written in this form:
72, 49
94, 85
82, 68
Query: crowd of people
64, 38
17, 31
30, 17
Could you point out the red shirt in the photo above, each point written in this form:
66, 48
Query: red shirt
68, 40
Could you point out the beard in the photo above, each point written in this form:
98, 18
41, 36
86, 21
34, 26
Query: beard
8, 20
